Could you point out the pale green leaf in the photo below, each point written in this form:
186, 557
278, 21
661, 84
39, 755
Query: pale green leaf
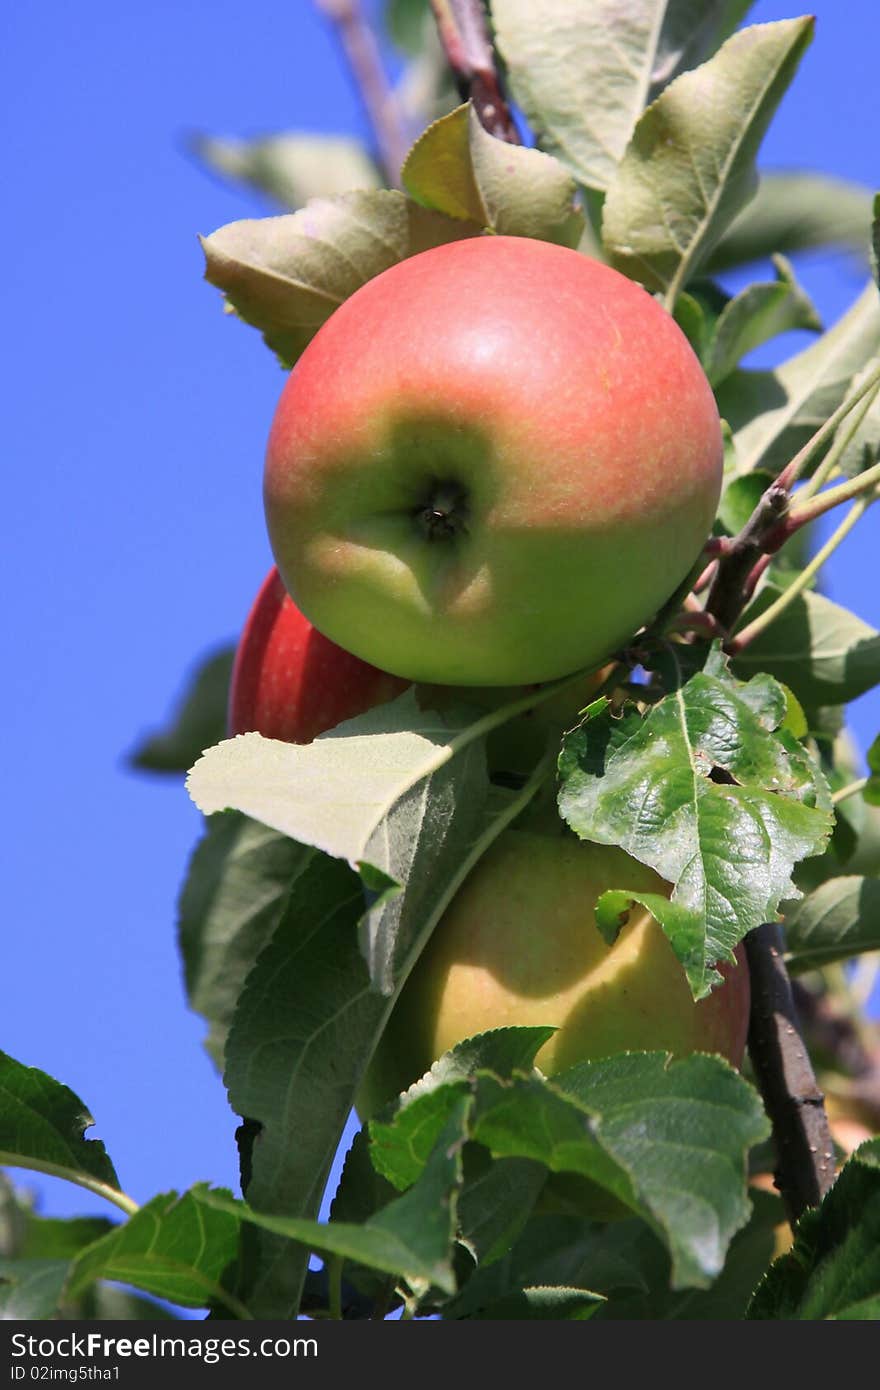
794, 211
546, 1301
583, 70
773, 413
689, 167
307, 791
755, 316
291, 167
457, 168
286, 275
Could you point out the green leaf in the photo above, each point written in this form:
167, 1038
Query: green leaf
668, 1139
108, 1303
772, 414
314, 972
840, 919
875, 238
563, 1304
197, 722
47, 1238
15, 1214
796, 211
360, 1194
31, 1288
502, 1051
583, 70
176, 1247
694, 322
495, 1202
236, 888
750, 1252
710, 792
832, 1272
755, 316
400, 1145
291, 168
286, 275
692, 31
689, 167
42, 1125
558, 1249
825, 654
456, 167
681, 1131
739, 499
410, 1238
300, 1038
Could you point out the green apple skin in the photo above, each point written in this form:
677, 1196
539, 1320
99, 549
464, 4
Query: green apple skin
491, 465
519, 945
292, 683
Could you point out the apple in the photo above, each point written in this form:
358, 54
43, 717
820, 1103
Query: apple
289, 681
292, 683
519, 945
491, 465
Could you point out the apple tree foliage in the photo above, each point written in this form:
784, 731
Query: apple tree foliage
324, 868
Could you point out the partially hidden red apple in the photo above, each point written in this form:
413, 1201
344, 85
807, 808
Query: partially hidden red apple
289, 681
491, 465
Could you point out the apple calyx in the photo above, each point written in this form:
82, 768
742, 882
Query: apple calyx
443, 516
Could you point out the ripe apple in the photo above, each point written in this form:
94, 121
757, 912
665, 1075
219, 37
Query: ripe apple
519, 945
491, 465
289, 681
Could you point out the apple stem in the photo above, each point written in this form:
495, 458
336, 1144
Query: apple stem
464, 34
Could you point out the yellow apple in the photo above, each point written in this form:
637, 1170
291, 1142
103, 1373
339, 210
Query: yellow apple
519, 945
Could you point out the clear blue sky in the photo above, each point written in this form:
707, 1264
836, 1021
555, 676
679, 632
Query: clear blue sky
134, 428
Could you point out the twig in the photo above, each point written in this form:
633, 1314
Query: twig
862, 485
796, 467
801, 581
727, 594
464, 35
785, 1077
851, 789
365, 61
